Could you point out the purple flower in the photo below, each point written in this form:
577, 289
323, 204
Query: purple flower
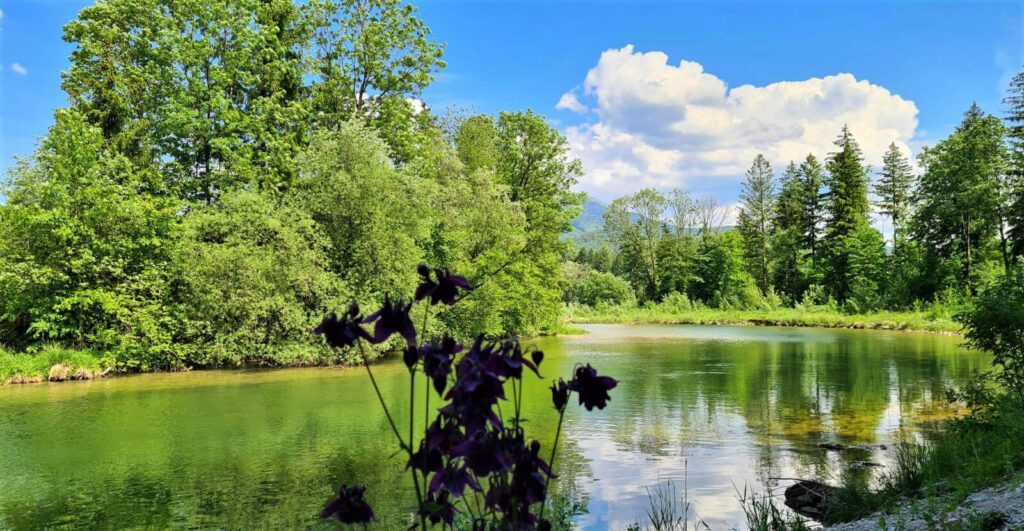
559, 394
453, 479
437, 508
484, 453
343, 331
349, 507
592, 389
426, 459
392, 318
537, 356
444, 290
437, 360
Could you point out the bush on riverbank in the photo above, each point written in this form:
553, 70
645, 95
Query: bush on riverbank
679, 310
51, 362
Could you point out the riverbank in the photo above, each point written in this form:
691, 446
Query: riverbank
51, 363
823, 317
995, 508
969, 478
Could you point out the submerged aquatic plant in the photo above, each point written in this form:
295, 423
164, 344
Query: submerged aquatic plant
473, 447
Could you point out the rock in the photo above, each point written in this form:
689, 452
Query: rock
864, 464
836, 447
809, 498
59, 373
978, 497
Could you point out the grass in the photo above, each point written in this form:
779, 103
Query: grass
974, 453
50, 362
763, 515
931, 320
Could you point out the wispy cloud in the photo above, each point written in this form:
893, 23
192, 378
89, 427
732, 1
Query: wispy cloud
18, 69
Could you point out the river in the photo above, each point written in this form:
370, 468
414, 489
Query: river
708, 409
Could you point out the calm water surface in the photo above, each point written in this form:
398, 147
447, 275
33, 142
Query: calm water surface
708, 408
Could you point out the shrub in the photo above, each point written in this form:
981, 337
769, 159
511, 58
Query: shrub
995, 322
598, 287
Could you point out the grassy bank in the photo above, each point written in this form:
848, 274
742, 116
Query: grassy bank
52, 363
930, 320
974, 453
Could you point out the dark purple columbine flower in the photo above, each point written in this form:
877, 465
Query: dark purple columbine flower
437, 508
342, 331
437, 360
349, 507
453, 479
592, 389
392, 318
427, 459
484, 453
559, 394
537, 356
444, 290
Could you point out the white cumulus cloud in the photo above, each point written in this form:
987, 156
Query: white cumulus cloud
18, 69
662, 124
570, 102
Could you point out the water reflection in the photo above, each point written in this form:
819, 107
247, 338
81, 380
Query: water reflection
711, 408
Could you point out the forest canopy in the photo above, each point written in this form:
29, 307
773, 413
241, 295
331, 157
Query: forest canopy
227, 172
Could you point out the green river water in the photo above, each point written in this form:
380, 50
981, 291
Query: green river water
707, 408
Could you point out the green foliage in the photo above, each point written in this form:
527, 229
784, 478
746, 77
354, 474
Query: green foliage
958, 214
721, 276
847, 214
1013, 189
35, 366
594, 287
253, 280
894, 188
788, 238
636, 223
756, 220
85, 250
995, 323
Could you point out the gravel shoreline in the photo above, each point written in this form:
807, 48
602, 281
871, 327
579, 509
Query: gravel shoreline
997, 508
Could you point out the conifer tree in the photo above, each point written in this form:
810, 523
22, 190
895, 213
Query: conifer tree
812, 179
847, 207
757, 212
1015, 176
893, 189
788, 235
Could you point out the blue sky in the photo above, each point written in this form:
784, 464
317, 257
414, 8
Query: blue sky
642, 119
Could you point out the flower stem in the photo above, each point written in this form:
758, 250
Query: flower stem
380, 397
551, 462
415, 481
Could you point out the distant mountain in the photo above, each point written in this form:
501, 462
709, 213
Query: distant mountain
588, 227
591, 218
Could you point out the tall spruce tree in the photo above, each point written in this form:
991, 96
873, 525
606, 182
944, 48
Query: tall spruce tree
757, 213
847, 210
894, 189
812, 179
788, 234
1015, 176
